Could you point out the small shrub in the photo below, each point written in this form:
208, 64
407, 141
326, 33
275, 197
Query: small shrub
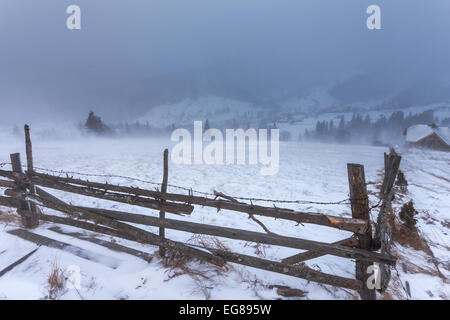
407, 214
401, 181
95, 124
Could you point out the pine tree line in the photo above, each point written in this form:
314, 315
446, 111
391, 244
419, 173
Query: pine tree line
364, 130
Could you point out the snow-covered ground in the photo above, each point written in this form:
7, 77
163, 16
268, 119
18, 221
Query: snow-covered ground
315, 172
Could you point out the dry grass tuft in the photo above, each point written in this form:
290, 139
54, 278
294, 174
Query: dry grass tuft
203, 274
209, 242
288, 292
260, 249
9, 217
55, 281
177, 263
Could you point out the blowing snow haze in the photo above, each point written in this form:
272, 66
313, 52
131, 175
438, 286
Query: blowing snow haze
129, 57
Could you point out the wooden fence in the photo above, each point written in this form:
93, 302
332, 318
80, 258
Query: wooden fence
23, 193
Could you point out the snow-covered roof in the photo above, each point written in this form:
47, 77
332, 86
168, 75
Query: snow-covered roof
420, 131
444, 133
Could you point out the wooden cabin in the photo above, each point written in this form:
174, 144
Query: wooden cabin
427, 136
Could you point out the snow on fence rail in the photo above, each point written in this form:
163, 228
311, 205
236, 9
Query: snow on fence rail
23, 193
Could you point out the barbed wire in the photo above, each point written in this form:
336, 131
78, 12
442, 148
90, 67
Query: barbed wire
191, 191
346, 201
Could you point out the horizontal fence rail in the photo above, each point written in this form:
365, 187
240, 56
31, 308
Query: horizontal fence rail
100, 190
237, 234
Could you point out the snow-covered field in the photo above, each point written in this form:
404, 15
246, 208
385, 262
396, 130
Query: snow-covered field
315, 172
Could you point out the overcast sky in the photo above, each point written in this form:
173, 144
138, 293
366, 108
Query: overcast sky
253, 44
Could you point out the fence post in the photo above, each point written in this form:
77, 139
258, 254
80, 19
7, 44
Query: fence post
16, 165
162, 214
29, 221
29, 152
360, 210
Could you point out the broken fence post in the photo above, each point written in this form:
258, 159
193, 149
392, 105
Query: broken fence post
383, 235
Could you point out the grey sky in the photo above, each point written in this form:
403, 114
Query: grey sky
253, 46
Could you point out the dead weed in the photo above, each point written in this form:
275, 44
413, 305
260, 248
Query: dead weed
204, 275
55, 281
9, 217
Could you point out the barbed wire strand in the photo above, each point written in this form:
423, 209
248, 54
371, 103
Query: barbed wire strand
346, 201
191, 191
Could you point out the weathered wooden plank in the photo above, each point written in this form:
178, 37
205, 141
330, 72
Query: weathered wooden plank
144, 236
84, 225
360, 210
324, 248
302, 271
96, 228
175, 208
7, 184
15, 264
392, 164
308, 255
48, 196
383, 237
7, 174
107, 244
10, 202
296, 271
14, 193
79, 252
349, 224
237, 234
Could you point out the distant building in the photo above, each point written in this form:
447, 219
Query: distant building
428, 136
